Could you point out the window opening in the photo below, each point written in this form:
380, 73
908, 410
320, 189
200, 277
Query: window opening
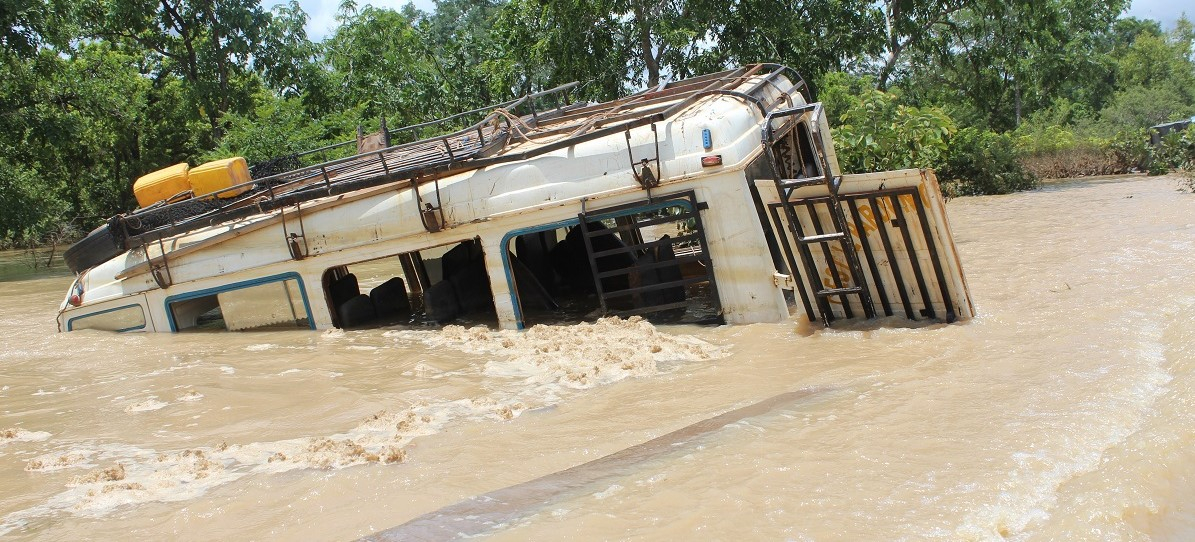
273, 303
125, 318
647, 259
434, 286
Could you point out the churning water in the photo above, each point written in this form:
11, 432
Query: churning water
1063, 412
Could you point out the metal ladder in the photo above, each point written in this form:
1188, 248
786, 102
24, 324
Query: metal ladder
806, 174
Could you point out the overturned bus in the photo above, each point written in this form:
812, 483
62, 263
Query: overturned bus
713, 199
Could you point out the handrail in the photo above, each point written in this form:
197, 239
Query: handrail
815, 111
394, 131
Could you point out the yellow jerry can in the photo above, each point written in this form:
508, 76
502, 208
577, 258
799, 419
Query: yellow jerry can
162, 184
218, 175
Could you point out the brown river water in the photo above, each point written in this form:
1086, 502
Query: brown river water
1064, 411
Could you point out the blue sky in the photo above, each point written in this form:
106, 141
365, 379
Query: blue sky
323, 12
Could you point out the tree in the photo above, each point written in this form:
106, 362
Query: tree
208, 43
465, 54
376, 60
287, 60
616, 45
908, 23
1009, 58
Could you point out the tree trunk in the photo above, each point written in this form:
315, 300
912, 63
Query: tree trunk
889, 67
1017, 92
650, 61
222, 73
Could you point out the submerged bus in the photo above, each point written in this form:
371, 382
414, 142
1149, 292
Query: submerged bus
716, 199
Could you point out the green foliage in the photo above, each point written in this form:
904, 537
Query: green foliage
1044, 139
1140, 107
1155, 61
31, 212
276, 127
1176, 152
1130, 148
377, 60
984, 162
1001, 60
617, 45
837, 91
207, 44
878, 134
94, 93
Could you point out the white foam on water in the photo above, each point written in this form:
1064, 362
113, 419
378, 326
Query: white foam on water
56, 461
610, 491
17, 434
190, 396
578, 357
152, 403
529, 370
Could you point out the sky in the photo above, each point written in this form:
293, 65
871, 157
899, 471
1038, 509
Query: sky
1166, 11
323, 12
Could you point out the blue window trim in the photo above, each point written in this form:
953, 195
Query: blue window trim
510, 281
70, 324
240, 286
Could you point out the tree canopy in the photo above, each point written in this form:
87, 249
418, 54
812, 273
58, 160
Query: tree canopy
94, 93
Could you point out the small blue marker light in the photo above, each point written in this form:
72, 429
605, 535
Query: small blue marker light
706, 140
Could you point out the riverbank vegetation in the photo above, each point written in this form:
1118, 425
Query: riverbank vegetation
995, 94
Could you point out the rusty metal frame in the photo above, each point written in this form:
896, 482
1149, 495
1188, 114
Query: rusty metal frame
694, 208
901, 222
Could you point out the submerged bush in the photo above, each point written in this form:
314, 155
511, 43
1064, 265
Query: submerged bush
1045, 140
32, 212
984, 162
1054, 151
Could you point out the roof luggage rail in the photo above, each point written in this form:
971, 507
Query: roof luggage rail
478, 145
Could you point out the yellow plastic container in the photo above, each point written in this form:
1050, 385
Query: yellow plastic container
161, 184
218, 175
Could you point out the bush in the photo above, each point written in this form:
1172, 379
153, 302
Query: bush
984, 162
1045, 140
1176, 151
838, 91
878, 134
1130, 149
32, 213
1138, 107
1056, 151
1082, 160
276, 127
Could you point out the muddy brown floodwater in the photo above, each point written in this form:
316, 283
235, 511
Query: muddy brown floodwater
1063, 412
